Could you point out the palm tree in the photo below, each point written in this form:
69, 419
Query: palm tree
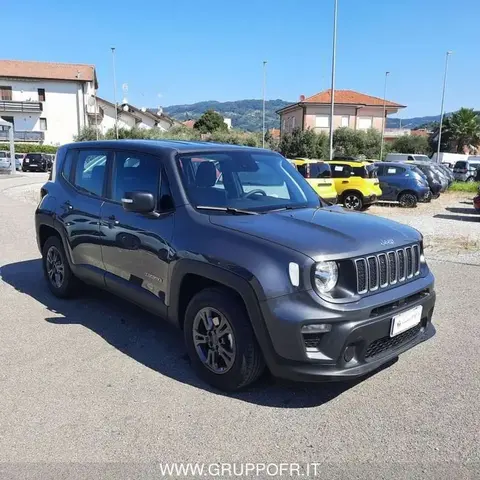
462, 129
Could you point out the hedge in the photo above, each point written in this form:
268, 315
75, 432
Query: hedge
29, 148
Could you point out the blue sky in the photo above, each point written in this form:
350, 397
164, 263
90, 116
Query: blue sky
189, 50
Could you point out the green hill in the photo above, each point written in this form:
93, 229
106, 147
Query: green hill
245, 114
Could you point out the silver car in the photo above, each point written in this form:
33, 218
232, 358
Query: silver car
465, 170
4, 160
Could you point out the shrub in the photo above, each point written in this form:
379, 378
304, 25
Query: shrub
469, 187
30, 148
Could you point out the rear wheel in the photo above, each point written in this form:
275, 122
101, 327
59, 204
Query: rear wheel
408, 200
220, 341
353, 201
60, 279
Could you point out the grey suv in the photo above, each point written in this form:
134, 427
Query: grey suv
234, 247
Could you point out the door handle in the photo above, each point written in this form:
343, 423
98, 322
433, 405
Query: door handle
344, 181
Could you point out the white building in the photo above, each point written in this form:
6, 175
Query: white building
46, 102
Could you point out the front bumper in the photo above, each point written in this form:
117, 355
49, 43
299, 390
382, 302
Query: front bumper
361, 330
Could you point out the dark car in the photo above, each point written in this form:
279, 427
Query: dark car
434, 182
402, 182
259, 275
34, 162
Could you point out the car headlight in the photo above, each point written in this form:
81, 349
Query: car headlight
325, 276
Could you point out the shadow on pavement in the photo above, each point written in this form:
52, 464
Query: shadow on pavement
460, 218
468, 211
154, 343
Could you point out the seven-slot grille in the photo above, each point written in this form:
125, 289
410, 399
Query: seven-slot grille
388, 268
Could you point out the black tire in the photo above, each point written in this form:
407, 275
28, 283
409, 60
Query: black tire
352, 201
407, 200
247, 364
366, 207
470, 179
69, 284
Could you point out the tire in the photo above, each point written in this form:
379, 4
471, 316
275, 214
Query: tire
407, 200
212, 307
470, 179
366, 207
62, 286
352, 201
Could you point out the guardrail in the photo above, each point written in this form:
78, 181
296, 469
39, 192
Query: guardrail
23, 136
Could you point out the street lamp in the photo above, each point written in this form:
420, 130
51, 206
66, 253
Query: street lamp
115, 92
263, 107
442, 107
334, 58
384, 114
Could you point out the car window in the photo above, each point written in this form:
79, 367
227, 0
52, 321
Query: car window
3, 155
380, 170
341, 171
67, 164
360, 172
320, 170
90, 171
460, 164
134, 172
395, 171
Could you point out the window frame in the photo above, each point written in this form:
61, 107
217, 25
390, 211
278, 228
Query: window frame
348, 121
41, 94
6, 88
360, 118
323, 116
40, 124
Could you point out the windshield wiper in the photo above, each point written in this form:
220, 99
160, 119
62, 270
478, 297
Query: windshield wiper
227, 209
286, 207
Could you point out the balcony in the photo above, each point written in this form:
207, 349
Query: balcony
20, 107
23, 136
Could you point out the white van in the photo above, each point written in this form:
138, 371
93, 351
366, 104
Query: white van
405, 157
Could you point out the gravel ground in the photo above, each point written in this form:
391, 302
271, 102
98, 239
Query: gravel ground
96, 387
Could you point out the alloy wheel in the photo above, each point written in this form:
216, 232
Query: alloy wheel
214, 340
352, 202
408, 200
55, 267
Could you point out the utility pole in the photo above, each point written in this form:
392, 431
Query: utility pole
115, 92
263, 113
384, 114
443, 105
334, 59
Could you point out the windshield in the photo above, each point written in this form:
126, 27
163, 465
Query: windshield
422, 158
460, 164
244, 180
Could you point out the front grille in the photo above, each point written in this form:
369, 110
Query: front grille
390, 343
385, 269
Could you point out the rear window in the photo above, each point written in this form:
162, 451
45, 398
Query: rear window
461, 164
34, 156
360, 172
3, 155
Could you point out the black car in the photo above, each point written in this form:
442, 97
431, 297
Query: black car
234, 247
402, 182
35, 162
433, 180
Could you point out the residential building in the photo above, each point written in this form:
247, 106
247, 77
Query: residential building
355, 110
46, 102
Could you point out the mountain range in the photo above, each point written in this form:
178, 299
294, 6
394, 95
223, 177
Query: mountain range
247, 114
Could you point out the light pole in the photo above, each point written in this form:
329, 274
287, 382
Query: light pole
442, 107
115, 92
334, 58
384, 113
263, 106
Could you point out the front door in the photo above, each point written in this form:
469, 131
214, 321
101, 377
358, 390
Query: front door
79, 212
136, 247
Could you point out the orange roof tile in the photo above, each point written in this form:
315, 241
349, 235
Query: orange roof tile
48, 70
189, 123
350, 97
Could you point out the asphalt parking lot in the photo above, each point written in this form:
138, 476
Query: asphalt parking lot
96, 385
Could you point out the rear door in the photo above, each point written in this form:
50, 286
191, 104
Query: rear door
136, 247
79, 210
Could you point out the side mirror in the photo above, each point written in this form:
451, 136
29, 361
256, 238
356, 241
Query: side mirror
138, 202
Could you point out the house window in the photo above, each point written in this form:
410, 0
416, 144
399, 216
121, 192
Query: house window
9, 120
284, 125
41, 94
293, 123
364, 123
43, 123
322, 121
5, 93
345, 121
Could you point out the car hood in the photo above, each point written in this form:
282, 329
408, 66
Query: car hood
323, 233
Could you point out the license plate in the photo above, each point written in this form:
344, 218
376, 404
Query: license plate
406, 320
33, 165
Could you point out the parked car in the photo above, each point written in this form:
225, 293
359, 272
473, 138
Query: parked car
446, 171
356, 185
404, 157
432, 177
476, 203
402, 182
319, 175
34, 162
466, 170
313, 292
19, 157
4, 160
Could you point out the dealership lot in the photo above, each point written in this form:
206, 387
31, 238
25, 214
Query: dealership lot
96, 380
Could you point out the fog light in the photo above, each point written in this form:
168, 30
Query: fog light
422, 258
316, 328
349, 353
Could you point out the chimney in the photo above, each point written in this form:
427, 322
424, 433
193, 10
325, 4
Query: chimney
302, 98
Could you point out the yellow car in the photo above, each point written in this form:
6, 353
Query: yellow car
318, 174
356, 183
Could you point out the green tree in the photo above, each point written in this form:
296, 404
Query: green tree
411, 144
88, 133
462, 129
210, 122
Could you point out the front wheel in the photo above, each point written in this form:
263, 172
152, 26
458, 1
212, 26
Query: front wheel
408, 200
470, 179
220, 341
353, 201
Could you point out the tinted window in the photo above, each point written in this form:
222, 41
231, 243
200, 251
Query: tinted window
35, 156
460, 164
3, 155
250, 181
360, 172
320, 170
380, 170
67, 164
134, 172
341, 171
90, 171
165, 199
